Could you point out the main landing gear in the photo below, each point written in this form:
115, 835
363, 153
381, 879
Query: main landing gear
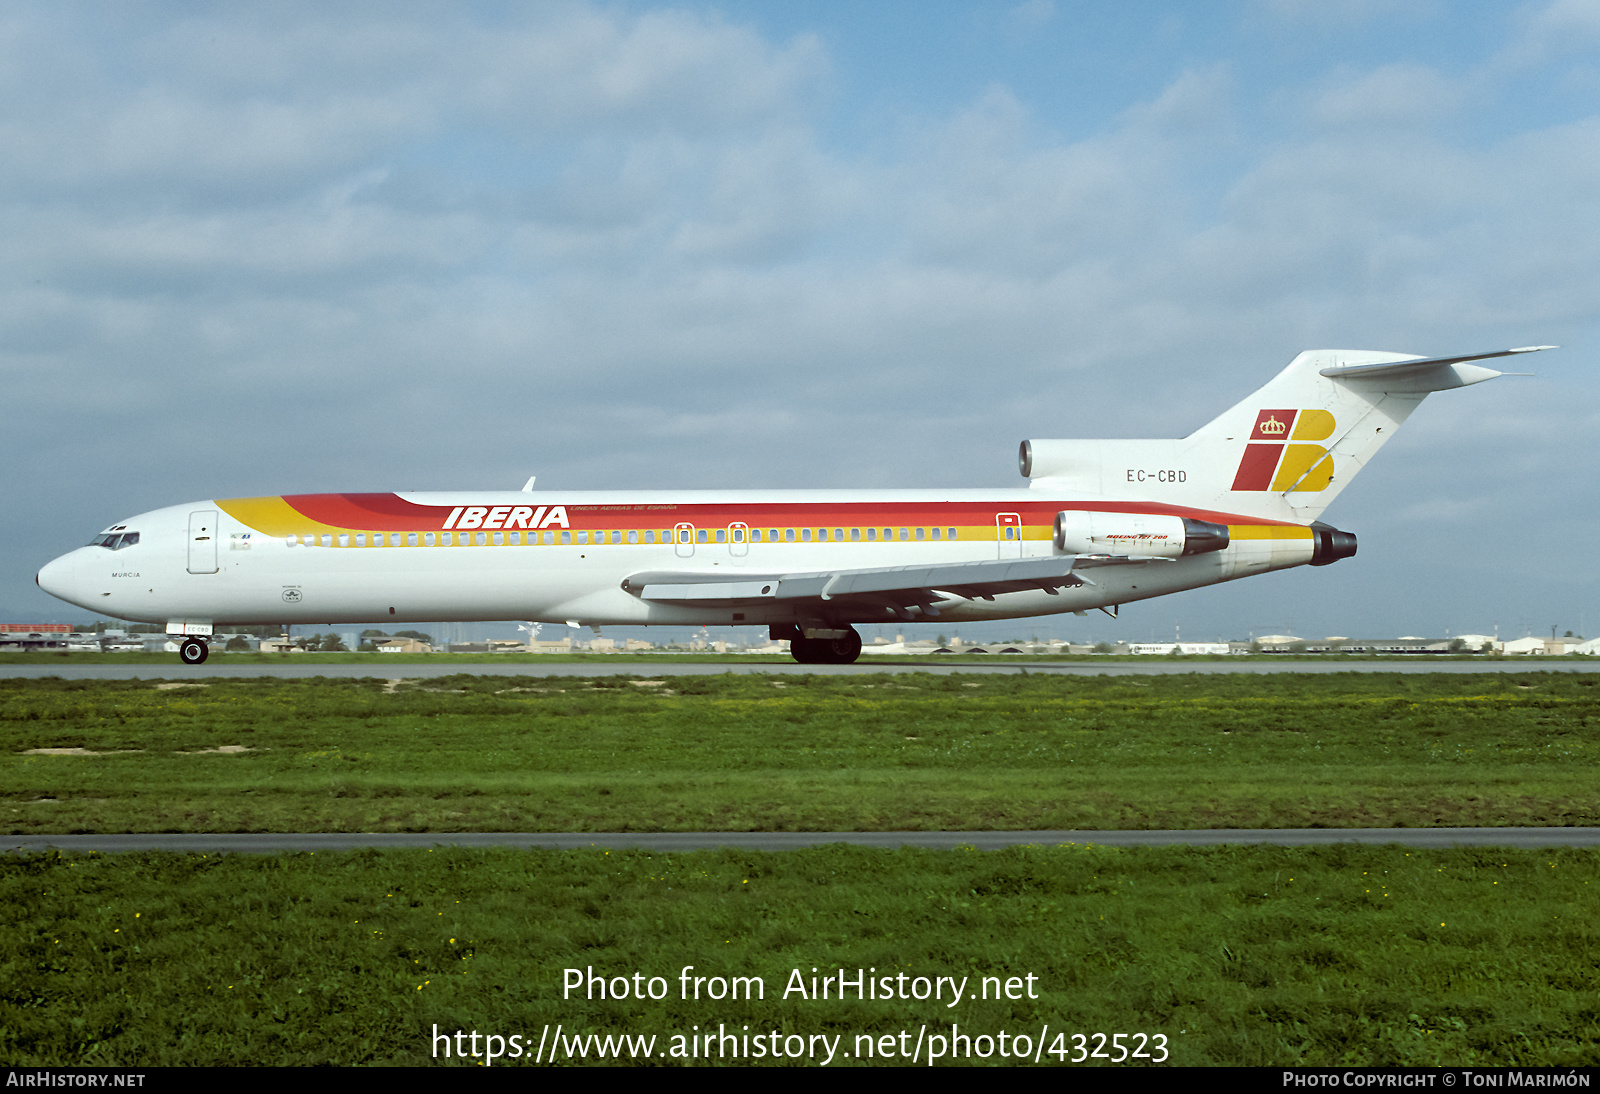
194, 651
842, 649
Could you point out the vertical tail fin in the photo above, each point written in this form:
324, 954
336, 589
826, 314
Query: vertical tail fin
1285, 452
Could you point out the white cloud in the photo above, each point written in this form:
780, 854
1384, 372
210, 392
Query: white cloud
1033, 14
1396, 95
1347, 14
1565, 24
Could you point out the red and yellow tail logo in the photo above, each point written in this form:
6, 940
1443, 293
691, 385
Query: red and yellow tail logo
1271, 464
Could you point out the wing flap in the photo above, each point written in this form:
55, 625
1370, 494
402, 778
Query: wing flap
908, 584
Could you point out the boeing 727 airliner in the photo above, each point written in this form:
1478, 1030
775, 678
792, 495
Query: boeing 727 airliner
1100, 524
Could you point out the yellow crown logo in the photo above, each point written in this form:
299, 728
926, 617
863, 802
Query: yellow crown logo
1273, 427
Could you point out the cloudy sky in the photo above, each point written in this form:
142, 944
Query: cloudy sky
260, 249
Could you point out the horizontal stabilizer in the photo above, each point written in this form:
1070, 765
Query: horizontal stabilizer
1416, 364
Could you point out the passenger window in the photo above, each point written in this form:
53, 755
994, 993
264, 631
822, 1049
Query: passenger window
950, 533
921, 533
805, 535
722, 535
411, 539
499, 539
788, 535
583, 537
936, 533
700, 536
822, 535
550, 537
344, 539
361, 539
872, 534
838, 535
905, 534
633, 535
649, 535
566, 537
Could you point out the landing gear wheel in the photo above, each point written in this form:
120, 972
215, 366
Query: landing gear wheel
843, 651
827, 651
807, 651
194, 651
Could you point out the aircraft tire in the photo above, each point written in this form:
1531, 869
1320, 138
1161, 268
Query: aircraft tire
193, 651
843, 651
807, 651
826, 651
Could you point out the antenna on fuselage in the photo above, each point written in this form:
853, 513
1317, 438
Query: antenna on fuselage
527, 487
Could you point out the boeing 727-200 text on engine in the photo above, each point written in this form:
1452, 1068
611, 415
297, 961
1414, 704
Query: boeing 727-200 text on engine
1100, 524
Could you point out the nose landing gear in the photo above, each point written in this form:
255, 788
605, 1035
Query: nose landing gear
194, 651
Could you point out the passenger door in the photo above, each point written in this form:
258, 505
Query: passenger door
203, 542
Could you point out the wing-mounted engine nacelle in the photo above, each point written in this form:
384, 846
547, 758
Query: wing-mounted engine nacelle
1085, 532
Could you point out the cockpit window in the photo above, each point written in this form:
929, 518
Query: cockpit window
115, 541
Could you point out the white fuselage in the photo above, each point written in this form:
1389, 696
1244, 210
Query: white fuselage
564, 557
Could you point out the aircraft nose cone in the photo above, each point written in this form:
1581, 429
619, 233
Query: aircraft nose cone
59, 578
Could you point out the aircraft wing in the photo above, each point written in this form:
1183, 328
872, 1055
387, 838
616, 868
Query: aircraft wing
891, 586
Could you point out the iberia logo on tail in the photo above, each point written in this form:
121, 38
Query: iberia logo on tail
1269, 463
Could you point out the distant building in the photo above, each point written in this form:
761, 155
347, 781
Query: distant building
401, 645
16, 637
1182, 648
1545, 647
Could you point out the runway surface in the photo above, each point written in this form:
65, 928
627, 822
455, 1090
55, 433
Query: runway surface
269, 843
63, 668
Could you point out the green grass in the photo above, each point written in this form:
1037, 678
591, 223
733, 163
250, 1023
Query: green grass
1335, 956
800, 753
1339, 955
